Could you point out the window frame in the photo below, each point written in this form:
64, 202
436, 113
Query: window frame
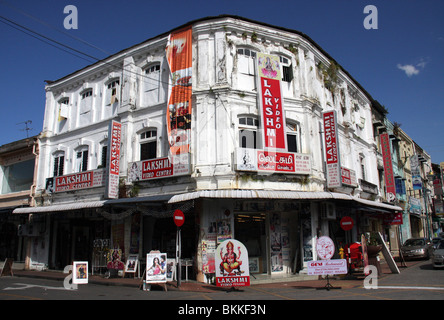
147, 138
248, 125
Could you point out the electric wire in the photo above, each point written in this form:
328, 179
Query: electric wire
30, 32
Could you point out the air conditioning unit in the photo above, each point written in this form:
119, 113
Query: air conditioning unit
328, 212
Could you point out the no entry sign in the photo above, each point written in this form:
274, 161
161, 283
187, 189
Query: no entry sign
179, 218
346, 223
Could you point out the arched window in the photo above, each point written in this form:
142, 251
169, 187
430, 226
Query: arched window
59, 163
293, 136
148, 144
248, 126
246, 66
81, 159
151, 84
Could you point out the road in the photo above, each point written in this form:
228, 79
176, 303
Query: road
418, 282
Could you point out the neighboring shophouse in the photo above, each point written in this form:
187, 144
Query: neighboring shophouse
18, 162
252, 130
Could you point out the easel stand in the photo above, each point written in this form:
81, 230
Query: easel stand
146, 286
234, 289
328, 286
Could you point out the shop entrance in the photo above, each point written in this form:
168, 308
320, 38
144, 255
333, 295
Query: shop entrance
250, 229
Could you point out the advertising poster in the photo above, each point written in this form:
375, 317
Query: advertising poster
156, 267
277, 264
179, 56
272, 113
80, 272
232, 266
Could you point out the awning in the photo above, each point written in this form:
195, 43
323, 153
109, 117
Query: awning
90, 204
278, 195
61, 207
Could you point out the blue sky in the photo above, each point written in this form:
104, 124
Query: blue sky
401, 63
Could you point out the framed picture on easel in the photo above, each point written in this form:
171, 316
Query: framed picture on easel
132, 263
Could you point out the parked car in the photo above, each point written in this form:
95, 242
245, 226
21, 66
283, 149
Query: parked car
438, 255
435, 242
420, 248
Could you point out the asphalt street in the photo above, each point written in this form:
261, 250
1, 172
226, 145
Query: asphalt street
418, 282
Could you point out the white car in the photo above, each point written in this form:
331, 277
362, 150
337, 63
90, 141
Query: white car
438, 255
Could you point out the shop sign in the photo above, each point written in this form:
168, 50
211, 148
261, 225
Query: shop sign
393, 219
159, 168
348, 177
437, 186
325, 248
332, 158
327, 267
415, 206
267, 161
272, 113
439, 207
388, 168
115, 134
232, 266
416, 173
81, 180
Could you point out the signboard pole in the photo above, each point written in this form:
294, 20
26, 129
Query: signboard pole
178, 256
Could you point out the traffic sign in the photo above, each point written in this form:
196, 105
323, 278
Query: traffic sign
179, 218
346, 223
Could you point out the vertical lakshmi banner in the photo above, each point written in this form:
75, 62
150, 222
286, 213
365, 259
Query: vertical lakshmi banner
179, 56
388, 168
332, 155
272, 113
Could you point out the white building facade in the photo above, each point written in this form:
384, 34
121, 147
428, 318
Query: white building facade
229, 180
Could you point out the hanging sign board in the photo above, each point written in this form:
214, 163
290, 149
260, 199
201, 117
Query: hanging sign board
272, 113
115, 139
232, 266
332, 159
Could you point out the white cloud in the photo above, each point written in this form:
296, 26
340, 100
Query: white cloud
409, 69
412, 70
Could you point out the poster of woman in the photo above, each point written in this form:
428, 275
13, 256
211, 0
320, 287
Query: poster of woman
232, 266
156, 267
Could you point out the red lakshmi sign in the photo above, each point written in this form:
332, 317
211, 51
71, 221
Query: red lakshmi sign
159, 168
334, 179
232, 266
115, 134
388, 168
272, 113
268, 161
81, 180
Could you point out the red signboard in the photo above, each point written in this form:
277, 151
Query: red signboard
334, 179
157, 168
388, 168
393, 219
275, 161
81, 180
115, 134
272, 114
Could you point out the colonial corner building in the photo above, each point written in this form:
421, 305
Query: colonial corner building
224, 119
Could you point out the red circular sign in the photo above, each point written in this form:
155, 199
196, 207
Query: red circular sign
179, 218
346, 223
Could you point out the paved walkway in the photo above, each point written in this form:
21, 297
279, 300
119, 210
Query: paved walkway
354, 281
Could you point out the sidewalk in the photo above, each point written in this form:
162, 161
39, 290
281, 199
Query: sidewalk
354, 281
